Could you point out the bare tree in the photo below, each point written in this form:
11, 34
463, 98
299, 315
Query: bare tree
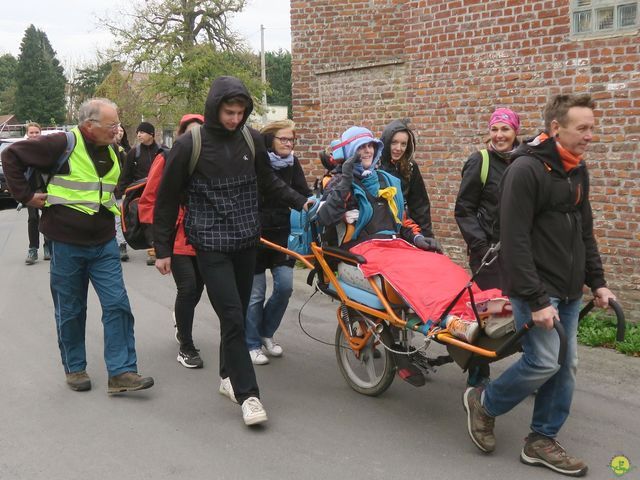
182, 45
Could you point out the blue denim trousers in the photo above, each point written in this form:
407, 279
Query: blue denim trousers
72, 268
538, 369
263, 319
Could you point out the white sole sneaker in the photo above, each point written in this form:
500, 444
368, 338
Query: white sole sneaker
272, 348
227, 390
253, 412
258, 357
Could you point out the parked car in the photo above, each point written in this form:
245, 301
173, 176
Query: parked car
5, 195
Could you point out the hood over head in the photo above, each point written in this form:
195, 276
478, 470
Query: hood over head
224, 88
387, 135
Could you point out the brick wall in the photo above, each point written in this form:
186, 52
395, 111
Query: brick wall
447, 64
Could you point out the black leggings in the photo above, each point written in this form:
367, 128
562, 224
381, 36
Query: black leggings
189, 283
33, 224
228, 278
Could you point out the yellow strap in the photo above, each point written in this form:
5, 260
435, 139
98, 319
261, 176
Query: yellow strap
389, 194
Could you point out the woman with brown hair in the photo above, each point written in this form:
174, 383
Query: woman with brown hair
398, 160
476, 210
263, 318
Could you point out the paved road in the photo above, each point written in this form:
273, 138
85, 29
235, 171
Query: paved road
318, 428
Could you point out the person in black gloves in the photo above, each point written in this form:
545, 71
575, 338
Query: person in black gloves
364, 203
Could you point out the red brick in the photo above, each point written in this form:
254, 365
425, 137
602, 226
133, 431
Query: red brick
460, 59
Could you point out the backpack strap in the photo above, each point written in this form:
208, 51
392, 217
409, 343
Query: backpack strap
249, 139
71, 144
196, 147
484, 169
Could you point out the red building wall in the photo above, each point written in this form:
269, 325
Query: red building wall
446, 65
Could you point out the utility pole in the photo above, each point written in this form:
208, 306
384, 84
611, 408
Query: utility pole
263, 68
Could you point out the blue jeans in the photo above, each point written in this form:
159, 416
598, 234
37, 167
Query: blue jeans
72, 268
538, 369
263, 319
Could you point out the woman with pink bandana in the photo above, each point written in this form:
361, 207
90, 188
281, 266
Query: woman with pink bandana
476, 210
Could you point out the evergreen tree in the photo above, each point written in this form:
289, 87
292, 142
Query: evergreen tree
278, 65
40, 80
8, 66
82, 85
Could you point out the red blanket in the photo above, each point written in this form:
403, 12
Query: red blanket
427, 281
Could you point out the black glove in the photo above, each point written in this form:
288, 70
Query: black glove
427, 243
347, 174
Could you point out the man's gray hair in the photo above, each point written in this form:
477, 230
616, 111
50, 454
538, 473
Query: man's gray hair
90, 109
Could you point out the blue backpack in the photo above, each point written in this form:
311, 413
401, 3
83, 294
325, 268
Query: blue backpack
302, 229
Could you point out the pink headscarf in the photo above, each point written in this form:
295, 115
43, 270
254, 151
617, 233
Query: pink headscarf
507, 116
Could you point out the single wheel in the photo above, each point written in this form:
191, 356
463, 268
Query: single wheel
366, 373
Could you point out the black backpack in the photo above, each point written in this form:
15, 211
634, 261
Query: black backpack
138, 234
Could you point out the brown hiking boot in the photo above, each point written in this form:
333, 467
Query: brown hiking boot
79, 381
128, 382
545, 451
479, 423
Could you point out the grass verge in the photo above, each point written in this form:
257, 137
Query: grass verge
598, 329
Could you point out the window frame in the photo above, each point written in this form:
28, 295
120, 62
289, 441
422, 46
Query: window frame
592, 7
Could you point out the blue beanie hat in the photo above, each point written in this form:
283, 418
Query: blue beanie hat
355, 137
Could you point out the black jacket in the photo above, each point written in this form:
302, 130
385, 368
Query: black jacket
137, 166
414, 191
274, 211
275, 218
476, 210
548, 247
222, 198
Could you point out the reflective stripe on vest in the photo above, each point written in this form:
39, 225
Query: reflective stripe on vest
82, 189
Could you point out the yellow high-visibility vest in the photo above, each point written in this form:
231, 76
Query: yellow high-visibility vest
82, 188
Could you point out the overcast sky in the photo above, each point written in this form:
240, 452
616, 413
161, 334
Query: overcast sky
72, 29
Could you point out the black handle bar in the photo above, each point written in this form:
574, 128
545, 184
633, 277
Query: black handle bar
528, 326
346, 254
617, 309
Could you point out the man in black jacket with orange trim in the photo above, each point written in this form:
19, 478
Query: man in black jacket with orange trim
222, 223
548, 254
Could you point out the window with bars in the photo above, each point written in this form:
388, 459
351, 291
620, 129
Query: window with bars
595, 17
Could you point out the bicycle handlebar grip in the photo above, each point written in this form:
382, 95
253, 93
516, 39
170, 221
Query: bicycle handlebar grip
562, 353
615, 306
528, 326
617, 309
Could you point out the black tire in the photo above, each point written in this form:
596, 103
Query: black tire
366, 375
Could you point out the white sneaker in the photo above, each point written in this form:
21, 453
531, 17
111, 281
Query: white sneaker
226, 389
253, 412
272, 347
258, 357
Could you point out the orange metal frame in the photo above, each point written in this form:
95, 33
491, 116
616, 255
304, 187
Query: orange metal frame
388, 315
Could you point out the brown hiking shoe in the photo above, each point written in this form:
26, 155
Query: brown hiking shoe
545, 451
128, 382
79, 381
479, 423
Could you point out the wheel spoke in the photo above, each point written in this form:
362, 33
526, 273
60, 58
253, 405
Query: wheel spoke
368, 362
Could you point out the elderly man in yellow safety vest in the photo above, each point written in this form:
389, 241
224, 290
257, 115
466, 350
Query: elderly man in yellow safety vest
79, 207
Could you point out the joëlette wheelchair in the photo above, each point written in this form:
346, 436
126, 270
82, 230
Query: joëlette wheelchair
377, 330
